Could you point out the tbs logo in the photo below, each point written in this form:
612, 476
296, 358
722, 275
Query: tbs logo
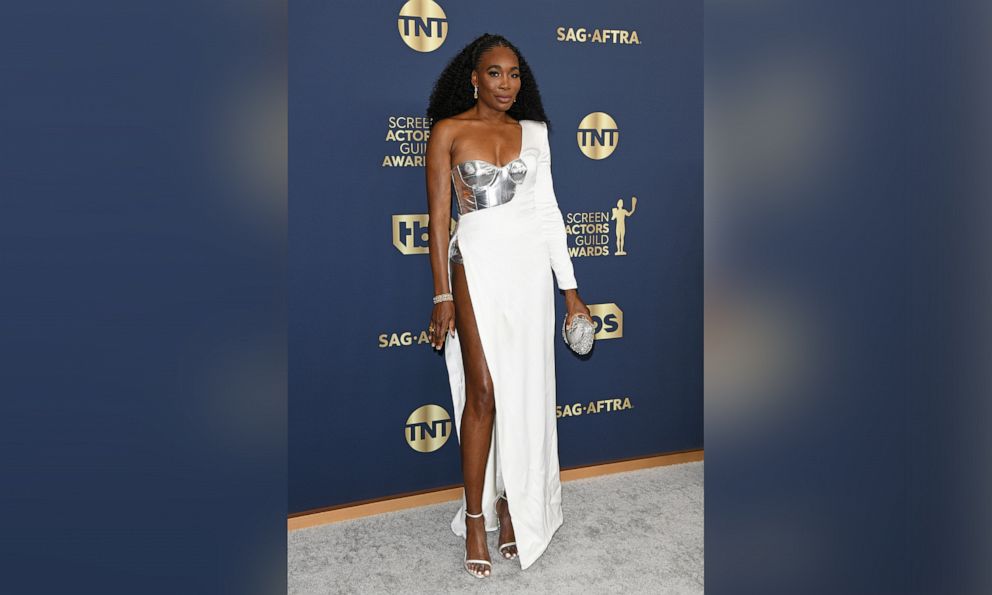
411, 233
608, 319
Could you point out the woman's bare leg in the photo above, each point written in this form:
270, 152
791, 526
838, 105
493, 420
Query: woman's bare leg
477, 417
506, 534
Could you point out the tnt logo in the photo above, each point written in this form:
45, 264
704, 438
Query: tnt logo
608, 319
422, 25
427, 428
598, 135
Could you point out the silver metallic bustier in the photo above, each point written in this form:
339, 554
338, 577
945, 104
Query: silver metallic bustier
479, 184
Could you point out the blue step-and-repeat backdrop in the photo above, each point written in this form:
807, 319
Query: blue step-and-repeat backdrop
622, 83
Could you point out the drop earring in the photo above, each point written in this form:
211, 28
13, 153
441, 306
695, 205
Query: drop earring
476, 93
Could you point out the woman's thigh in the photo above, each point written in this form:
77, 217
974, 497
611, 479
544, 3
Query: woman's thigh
477, 378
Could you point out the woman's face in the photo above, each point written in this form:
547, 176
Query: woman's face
498, 78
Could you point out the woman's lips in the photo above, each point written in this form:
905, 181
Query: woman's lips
504, 99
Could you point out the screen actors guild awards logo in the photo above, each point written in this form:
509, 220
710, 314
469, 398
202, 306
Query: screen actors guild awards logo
408, 136
598, 135
423, 25
427, 428
588, 232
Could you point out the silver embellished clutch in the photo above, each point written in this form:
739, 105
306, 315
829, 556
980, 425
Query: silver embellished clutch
579, 335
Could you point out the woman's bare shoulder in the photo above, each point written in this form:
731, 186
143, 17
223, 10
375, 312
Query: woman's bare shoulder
454, 128
443, 133
448, 128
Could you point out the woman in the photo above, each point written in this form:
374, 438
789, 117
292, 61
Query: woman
496, 319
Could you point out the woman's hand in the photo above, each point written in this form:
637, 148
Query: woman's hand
442, 321
575, 306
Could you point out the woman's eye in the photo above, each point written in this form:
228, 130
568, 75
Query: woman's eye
515, 75
493, 73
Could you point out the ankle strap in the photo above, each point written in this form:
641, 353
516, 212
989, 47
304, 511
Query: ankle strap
472, 516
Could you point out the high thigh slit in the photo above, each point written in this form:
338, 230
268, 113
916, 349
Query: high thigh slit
509, 249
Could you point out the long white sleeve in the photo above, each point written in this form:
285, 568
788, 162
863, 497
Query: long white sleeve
552, 223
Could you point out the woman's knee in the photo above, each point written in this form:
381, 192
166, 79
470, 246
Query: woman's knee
481, 399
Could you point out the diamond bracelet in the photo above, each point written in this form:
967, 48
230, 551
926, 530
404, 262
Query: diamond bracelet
443, 297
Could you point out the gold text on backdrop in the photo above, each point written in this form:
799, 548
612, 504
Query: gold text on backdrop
408, 136
583, 35
403, 339
600, 406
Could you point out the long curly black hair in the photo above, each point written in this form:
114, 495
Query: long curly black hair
453, 90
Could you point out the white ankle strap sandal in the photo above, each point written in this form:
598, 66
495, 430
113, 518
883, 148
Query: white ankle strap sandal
502, 546
467, 561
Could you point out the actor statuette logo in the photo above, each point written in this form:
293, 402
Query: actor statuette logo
423, 25
411, 233
598, 135
583, 35
427, 428
608, 319
589, 232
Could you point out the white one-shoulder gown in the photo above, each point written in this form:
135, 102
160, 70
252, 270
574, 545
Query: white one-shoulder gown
510, 236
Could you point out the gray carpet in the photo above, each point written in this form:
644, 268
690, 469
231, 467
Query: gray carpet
636, 532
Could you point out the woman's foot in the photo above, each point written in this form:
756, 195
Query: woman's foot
507, 540
476, 549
